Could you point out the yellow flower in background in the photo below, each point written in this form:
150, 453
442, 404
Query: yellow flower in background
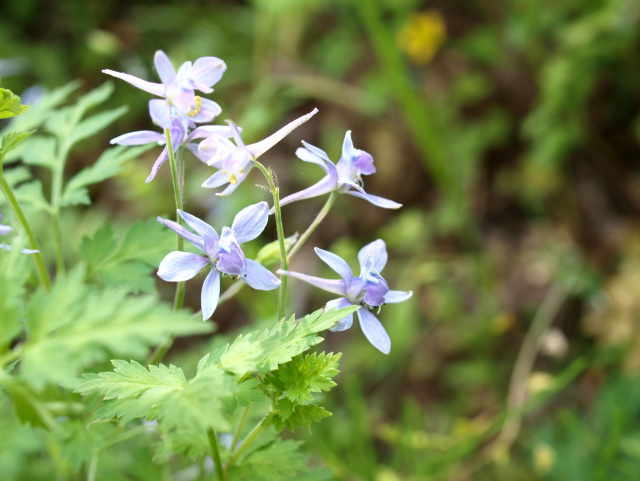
421, 36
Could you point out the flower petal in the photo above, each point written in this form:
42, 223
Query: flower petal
165, 69
181, 266
325, 185
233, 186
375, 200
5, 229
207, 71
250, 222
336, 262
216, 180
344, 323
355, 158
184, 233
329, 285
374, 331
160, 112
151, 87
210, 294
393, 297
308, 155
140, 137
259, 277
261, 147
376, 249
162, 158
208, 233
208, 111
208, 130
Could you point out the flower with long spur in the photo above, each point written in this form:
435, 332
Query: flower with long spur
222, 254
369, 290
180, 137
178, 89
234, 161
5, 229
343, 177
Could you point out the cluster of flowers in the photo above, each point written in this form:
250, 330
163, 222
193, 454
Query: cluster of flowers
179, 110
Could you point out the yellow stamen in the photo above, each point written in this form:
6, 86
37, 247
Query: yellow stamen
197, 108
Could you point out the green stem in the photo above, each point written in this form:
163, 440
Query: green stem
251, 437
284, 264
215, 452
92, 471
43, 275
316, 222
240, 426
57, 238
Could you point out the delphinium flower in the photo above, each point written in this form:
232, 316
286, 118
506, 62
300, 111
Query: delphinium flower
223, 254
5, 229
234, 161
369, 290
178, 89
180, 137
343, 177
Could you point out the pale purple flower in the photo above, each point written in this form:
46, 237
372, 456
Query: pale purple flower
178, 89
180, 137
344, 177
5, 229
222, 254
234, 161
369, 290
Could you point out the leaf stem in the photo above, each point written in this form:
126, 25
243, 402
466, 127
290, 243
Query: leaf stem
240, 426
316, 222
284, 264
43, 275
251, 437
215, 452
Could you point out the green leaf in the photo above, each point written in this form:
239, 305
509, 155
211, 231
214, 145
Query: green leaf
10, 104
28, 406
77, 325
304, 375
14, 272
108, 165
11, 140
31, 193
263, 351
96, 123
290, 415
40, 151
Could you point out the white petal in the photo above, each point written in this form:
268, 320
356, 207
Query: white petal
181, 266
374, 331
378, 250
210, 294
337, 263
250, 222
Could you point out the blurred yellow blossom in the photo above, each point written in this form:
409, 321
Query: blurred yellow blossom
421, 36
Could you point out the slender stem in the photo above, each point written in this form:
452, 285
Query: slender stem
316, 222
284, 264
240, 426
215, 452
57, 184
43, 275
251, 437
57, 238
92, 471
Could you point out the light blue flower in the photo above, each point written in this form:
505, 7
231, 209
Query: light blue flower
5, 229
180, 137
369, 290
234, 161
222, 254
178, 89
344, 177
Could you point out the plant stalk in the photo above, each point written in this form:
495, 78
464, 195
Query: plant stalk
316, 222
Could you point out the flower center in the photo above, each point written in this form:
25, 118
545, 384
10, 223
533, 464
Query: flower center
195, 109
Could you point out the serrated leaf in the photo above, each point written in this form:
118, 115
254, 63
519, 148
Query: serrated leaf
304, 375
10, 104
246, 393
14, 273
40, 151
28, 406
11, 140
108, 165
290, 415
76, 325
95, 124
31, 193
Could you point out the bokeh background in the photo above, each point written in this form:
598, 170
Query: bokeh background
509, 131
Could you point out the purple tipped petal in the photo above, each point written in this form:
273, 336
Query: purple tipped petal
232, 263
259, 277
181, 266
393, 297
376, 249
208, 233
165, 69
184, 233
375, 200
344, 323
375, 292
337, 263
139, 138
208, 110
361, 160
250, 222
261, 147
152, 88
162, 158
374, 331
216, 180
160, 112
330, 285
210, 294
207, 71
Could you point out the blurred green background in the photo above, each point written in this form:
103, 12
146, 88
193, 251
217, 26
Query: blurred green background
509, 131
